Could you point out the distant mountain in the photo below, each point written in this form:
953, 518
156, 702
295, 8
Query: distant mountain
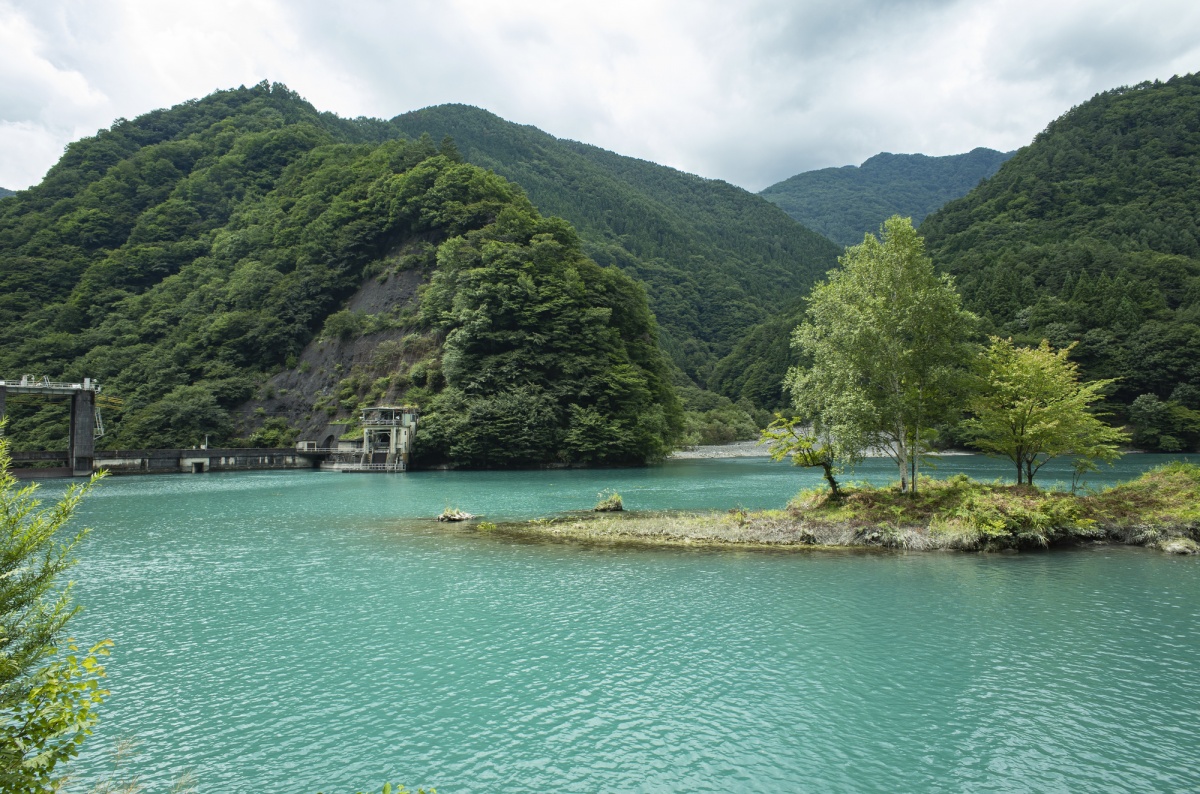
844, 203
716, 259
5, 192
1091, 234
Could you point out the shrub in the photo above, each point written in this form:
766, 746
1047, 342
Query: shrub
610, 502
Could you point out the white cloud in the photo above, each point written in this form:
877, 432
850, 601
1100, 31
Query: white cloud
748, 92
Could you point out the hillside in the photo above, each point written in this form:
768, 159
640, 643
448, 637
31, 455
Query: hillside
184, 257
1091, 235
5, 192
716, 259
844, 203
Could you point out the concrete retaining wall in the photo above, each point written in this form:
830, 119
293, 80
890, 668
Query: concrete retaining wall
165, 461
198, 461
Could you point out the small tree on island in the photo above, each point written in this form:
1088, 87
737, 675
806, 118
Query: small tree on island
1030, 407
807, 446
888, 342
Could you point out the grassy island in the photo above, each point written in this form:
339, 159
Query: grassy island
1161, 508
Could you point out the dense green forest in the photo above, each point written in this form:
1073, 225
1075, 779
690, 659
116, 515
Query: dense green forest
1091, 236
716, 259
126, 211
5, 192
183, 257
845, 203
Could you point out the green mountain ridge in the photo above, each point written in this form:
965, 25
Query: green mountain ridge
140, 260
844, 203
1091, 235
5, 192
716, 259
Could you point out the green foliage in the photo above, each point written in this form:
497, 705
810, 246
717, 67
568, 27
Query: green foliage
1030, 407
755, 369
547, 356
1166, 497
715, 259
47, 699
274, 433
609, 502
845, 203
710, 418
807, 446
1090, 235
263, 218
1163, 425
344, 325
184, 417
888, 340
957, 512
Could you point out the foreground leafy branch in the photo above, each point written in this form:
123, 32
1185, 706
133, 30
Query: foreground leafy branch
47, 698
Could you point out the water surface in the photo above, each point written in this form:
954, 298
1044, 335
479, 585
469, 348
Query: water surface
304, 631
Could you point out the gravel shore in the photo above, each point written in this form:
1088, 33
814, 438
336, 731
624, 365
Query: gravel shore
736, 449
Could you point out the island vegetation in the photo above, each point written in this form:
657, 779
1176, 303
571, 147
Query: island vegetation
1160, 509
887, 352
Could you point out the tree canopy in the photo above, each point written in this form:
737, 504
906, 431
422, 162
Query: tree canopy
715, 259
885, 341
1031, 407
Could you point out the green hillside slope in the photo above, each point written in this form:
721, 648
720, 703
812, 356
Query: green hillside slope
844, 203
5, 192
716, 259
183, 257
1092, 234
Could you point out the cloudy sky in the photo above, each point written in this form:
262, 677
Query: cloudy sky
750, 91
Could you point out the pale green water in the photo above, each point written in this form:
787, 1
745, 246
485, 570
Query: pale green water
300, 631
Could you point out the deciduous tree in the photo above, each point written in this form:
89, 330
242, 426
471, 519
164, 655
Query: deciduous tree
888, 342
1031, 407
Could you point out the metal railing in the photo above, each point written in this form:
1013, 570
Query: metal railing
44, 382
388, 467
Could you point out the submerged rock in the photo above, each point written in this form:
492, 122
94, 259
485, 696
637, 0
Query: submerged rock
1180, 546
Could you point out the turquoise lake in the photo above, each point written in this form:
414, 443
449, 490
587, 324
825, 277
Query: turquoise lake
306, 631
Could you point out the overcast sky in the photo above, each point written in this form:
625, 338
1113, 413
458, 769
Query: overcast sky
750, 91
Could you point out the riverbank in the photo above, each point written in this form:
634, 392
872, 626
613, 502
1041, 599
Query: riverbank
1160, 509
734, 449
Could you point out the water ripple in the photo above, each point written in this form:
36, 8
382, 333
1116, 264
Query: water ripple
259, 640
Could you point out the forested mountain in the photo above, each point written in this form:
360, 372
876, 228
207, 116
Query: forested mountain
844, 203
716, 259
183, 257
1092, 235
5, 192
